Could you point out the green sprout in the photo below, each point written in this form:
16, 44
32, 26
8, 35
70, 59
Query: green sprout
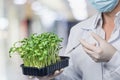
38, 50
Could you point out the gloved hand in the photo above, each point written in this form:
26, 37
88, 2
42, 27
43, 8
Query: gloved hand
101, 53
51, 76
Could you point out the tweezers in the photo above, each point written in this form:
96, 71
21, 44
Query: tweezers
73, 48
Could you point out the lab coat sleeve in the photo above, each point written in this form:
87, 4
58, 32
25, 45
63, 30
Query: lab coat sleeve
71, 72
112, 68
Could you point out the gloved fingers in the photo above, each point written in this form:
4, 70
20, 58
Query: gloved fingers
92, 54
58, 72
97, 37
49, 77
87, 45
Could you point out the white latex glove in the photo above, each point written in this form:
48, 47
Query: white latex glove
51, 76
101, 53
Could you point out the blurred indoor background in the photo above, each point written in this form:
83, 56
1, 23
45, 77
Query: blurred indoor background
20, 18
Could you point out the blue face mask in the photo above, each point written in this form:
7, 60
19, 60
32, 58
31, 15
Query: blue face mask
104, 5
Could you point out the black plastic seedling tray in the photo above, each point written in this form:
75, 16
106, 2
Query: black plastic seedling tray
32, 71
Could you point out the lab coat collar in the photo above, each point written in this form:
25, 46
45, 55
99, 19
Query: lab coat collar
117, 20
93, 22
97, 19
118, 14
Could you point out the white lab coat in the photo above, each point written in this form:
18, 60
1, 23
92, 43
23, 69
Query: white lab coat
81, 66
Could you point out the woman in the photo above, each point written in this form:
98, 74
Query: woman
98, 56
